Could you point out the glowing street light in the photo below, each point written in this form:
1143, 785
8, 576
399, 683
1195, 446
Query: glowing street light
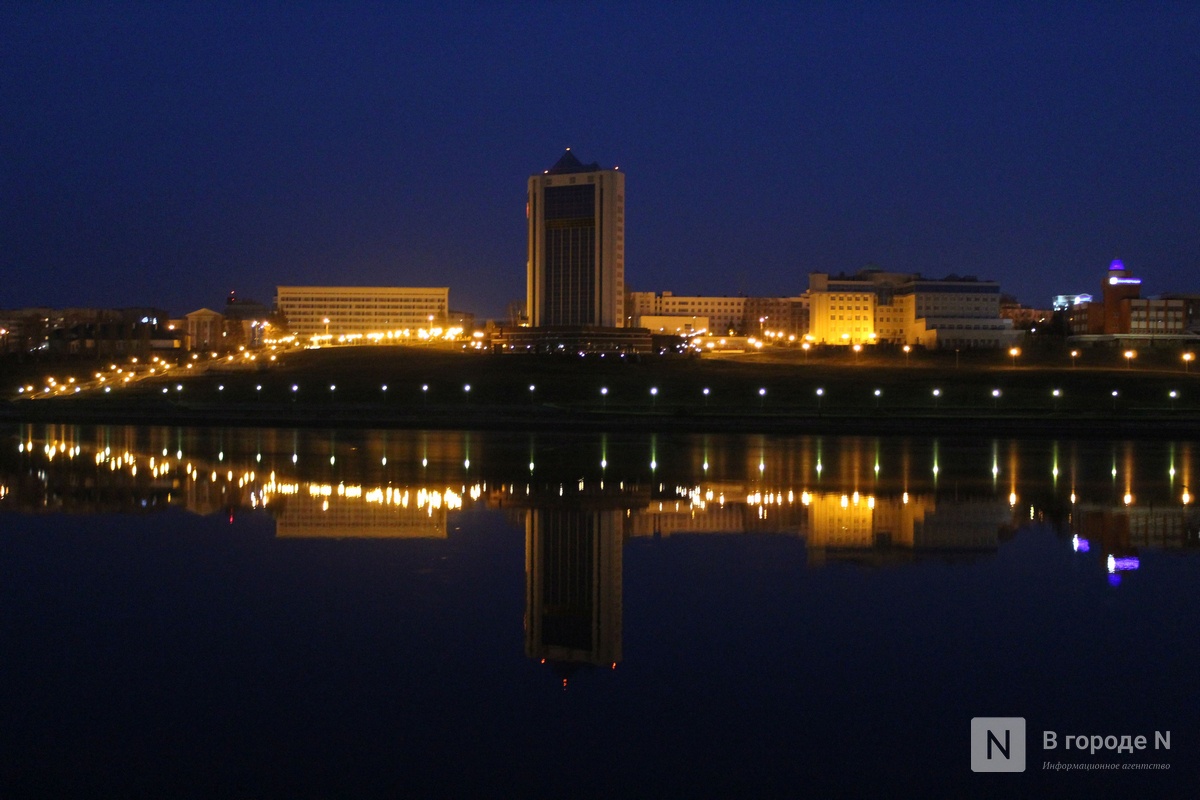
805, 347
654, 395
857, 349
1014, 352
995, 398
907, 351
762, 397
1115, 394
937, 395
1188, 358
1056, 394
1174, 395
1074, 355
1130, 355
820, 394
425, 393
604, 396
704, 391
878, 395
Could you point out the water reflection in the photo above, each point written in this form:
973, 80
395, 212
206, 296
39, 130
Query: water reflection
580, 499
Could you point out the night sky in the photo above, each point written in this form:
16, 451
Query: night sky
163, 154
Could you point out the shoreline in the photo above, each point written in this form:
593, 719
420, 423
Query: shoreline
680, 419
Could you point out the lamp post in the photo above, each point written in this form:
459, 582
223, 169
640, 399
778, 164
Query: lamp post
805, 348
995, 398
532, 389
1014, 352
1187, 361
604, 396
937, 395
1174, 395
878, 395
1057, 393
1074, 355
762, 397
820, 394
857, 351
1130, 355
1115, 394
705, 393
654, 396
425, 394
907, 350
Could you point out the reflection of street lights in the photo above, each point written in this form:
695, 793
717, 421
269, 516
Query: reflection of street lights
1130, 355
1187, 360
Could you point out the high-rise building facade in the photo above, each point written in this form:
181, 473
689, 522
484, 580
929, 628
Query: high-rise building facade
576, 267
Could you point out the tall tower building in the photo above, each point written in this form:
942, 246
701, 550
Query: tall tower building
576, 268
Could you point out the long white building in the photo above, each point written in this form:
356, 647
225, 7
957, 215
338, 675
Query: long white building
361, 310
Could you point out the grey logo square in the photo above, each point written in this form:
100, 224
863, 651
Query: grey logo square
998, 744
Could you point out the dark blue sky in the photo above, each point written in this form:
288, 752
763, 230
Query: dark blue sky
163, 154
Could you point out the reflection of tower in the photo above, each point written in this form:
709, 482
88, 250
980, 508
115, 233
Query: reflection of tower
573, 586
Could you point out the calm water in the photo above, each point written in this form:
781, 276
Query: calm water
273, 613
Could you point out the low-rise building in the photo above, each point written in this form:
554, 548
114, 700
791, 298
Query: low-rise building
360, 310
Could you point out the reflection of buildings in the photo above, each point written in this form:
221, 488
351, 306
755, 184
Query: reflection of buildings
573, 586
1124, 530
313, 516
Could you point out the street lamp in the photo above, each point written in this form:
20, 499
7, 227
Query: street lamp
937, 394
654, 395
1074, 355
425, 393
1174, 395
604, 396
704, 391
820, 394
1187, 360
1014, 352
995, 398
907, 350
857, 350
878, 394
1115, 394
1130, 355
805, 348
762, 397
1057, 393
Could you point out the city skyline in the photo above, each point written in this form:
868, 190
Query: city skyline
166, 156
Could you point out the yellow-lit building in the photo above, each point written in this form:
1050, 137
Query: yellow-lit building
873, 306
361, 310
